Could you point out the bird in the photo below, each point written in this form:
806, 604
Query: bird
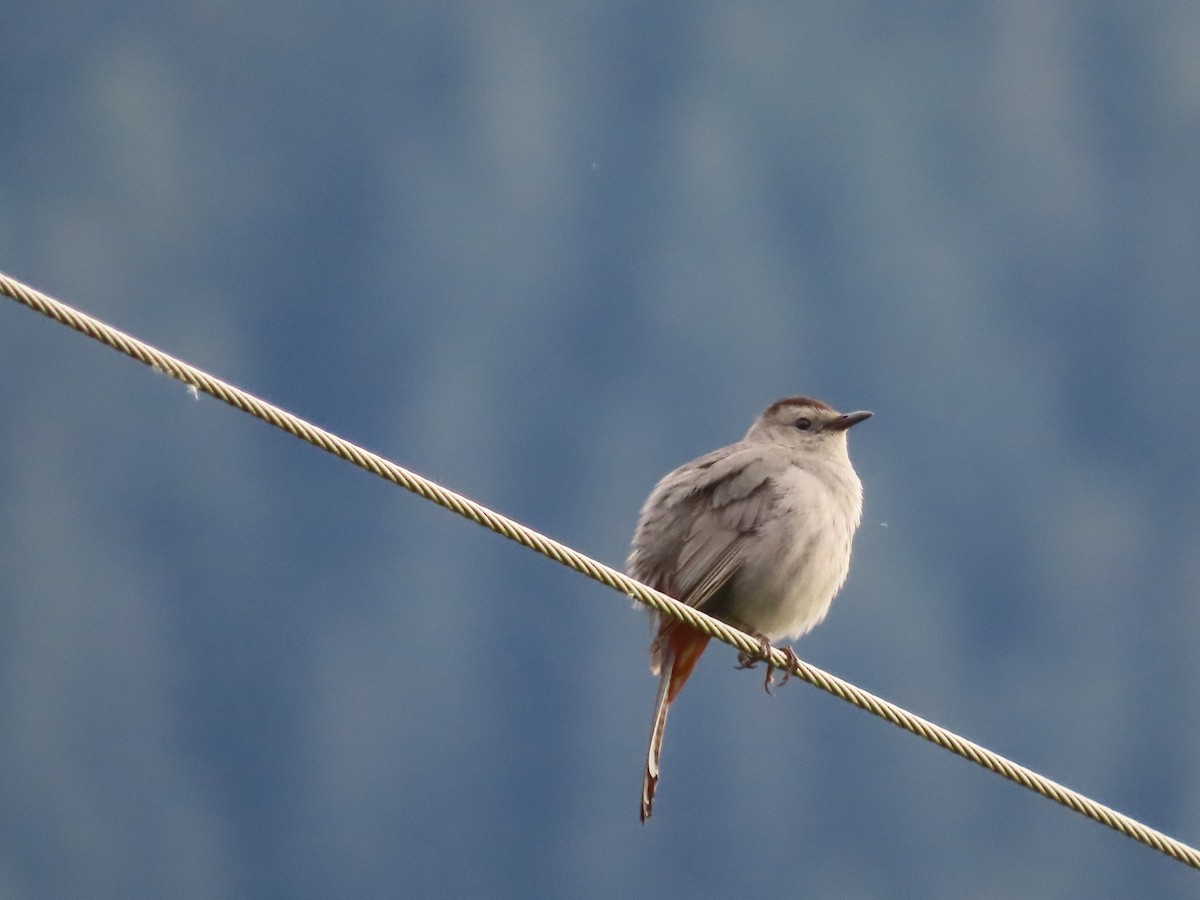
757, 534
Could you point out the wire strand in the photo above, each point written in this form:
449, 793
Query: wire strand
526, 537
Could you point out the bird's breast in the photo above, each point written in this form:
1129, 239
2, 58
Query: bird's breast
801, 561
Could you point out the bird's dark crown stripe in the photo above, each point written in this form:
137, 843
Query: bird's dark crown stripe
798, 401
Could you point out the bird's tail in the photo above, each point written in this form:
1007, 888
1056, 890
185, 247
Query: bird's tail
678, 648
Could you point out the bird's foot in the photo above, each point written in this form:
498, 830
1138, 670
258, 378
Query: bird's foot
792, 661
749, 661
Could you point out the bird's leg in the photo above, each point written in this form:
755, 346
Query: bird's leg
749, 660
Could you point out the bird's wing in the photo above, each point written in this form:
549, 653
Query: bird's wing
691, 537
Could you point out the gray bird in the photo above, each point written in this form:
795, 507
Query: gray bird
756, 534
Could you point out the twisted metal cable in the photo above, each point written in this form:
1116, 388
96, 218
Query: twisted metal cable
618, 581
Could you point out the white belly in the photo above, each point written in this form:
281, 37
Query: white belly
789, 590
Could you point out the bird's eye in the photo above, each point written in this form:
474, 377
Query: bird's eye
804, 423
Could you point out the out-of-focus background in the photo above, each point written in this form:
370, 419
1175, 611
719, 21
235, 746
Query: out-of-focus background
544, 254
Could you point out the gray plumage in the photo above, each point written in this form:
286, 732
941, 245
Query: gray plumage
757, 534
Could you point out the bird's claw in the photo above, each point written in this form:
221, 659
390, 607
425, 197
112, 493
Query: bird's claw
792, 661
750, 660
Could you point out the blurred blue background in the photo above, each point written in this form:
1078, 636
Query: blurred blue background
543, 254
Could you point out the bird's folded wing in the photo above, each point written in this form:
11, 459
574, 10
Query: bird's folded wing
713, 504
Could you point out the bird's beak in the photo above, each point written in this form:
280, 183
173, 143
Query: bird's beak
841, 423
